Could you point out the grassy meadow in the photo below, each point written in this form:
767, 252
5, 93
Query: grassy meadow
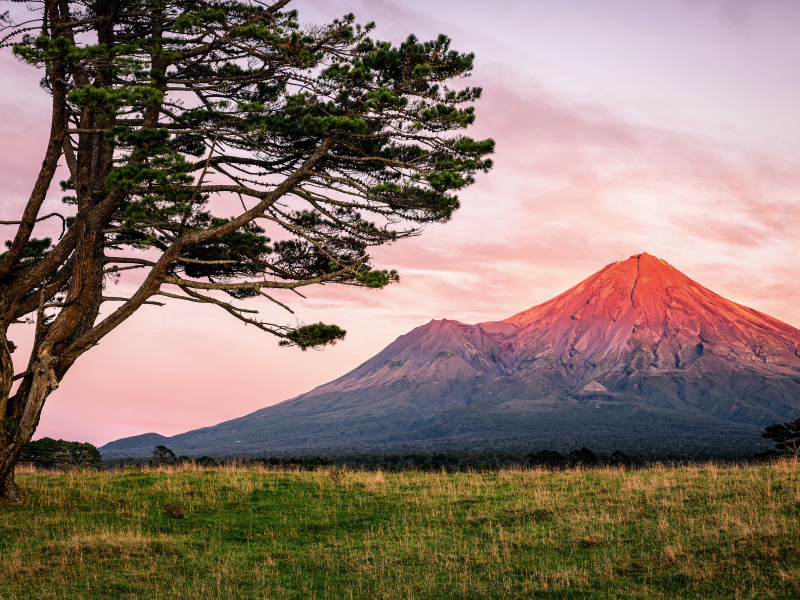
232, 532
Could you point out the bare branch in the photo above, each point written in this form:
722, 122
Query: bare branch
111, 299
250, 285
278, 330
202, 176
268, 297
126, 260
196, 261
277, 6
226, 305
69, 155
118, 269
23, 374
63, 222
195, 297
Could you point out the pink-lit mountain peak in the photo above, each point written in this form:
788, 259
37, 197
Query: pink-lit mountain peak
643, 282
640, 315
644, 302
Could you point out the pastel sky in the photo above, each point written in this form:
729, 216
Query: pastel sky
622, 126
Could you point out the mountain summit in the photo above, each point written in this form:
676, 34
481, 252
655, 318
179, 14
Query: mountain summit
648, 316
637, 356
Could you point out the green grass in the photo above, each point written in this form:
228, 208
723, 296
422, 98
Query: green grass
693, 532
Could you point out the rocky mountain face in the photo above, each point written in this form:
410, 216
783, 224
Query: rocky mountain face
636, 356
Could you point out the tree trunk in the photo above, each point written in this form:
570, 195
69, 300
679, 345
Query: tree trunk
8, 425
21, 416
9, 491
8, 462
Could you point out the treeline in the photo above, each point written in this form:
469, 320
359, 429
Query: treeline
60, 454
487, 453
484, 456
452, 461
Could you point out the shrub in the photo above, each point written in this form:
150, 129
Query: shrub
48, 453
547, 458
619, 459
584, 457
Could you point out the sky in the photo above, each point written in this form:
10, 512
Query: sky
669, 127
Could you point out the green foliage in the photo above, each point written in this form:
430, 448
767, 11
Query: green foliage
48, 453
314, 336
112, 99
378, 279
34, 251
245, 252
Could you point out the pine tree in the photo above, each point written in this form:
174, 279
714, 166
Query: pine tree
163, 456
329, 141
786, 438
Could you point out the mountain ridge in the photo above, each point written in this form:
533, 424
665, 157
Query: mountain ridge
638, 343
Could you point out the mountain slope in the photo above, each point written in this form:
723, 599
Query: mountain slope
638, 353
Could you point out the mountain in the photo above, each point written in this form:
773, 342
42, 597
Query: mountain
637, 356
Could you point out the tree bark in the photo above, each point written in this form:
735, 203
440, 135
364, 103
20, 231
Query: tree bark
9, 490
21, 416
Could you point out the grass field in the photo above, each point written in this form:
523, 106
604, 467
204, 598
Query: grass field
691, 532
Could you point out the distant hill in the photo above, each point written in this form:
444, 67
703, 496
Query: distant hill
638, 356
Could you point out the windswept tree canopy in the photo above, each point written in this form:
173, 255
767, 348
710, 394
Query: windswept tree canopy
224, 152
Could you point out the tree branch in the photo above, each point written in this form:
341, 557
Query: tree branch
111, 299
118, 269
268, 297
278, 330
63, 222
195, 297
